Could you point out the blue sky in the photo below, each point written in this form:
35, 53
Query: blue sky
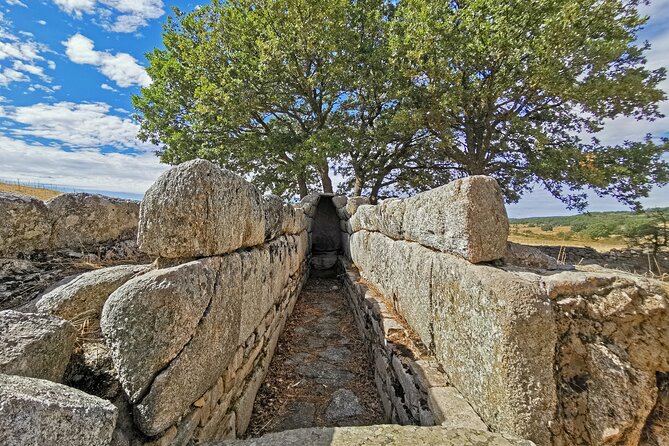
69, 67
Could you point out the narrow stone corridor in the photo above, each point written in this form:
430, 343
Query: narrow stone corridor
320, 374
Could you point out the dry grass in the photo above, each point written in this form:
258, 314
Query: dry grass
37, 192
520, 233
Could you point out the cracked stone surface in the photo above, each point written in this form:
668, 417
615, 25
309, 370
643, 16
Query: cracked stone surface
382, 435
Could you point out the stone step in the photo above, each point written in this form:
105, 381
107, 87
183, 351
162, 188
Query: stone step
385, 434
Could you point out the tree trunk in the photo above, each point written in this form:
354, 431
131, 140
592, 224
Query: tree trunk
357, 186
324, 173
302, 185
374, 193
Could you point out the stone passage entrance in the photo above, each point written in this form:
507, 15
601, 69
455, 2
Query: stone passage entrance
326, 241
320, 374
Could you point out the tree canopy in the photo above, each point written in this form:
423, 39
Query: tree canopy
401, 96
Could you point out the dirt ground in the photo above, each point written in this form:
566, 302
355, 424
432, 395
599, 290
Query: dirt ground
320, 374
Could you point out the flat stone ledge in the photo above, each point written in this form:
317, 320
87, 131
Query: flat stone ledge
384, 434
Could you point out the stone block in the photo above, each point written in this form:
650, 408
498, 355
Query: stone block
147, 321
197, 209
273, 208
256, 297
465, 217
25, 225
339, 201
450, 409
85, 220
244, 405
203, 359
42, 413
35, 345
501, 355
86, 294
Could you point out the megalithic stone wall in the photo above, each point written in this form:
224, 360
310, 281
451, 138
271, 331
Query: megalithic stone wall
192, 340
555, 356
466, 217
68, 221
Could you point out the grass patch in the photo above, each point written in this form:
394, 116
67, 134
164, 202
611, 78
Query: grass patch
37, 192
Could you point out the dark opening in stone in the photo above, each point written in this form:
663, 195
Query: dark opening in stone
325, 236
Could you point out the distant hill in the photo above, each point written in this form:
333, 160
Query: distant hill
37, 192
600, 230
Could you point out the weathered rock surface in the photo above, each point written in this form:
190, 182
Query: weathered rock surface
500, 355
273, 208
344, 404
206, 355
294, 219
41, 413
380, 435
147, 321
339, 201
35, 345
465, 217
353, 203
405, 272
528, 257
197, 209
612, 346
80, 220
86, 294
256, 296
579, 351
450, 409
25, 224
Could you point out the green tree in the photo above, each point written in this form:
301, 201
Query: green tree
403, 96
516, 89
254, 85
651, 232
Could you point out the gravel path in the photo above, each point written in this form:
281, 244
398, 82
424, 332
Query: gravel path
320, 375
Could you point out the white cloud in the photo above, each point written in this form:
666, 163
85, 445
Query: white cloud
76, 7
16, 3
13, 48
30, 68
74, 125
121, 68
41, 22
85, 168
8, 75
124, 16
108, 87
43, 88
20, 55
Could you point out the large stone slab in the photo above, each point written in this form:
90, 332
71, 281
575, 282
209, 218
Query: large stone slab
41, 413
379, 435
465, 217
86, 294
256, 297
35, 345
492, 331
495, 337
25, 224
450, 409
401, 270
203, 359
84, 220
273, 208
147, 321
197, 209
